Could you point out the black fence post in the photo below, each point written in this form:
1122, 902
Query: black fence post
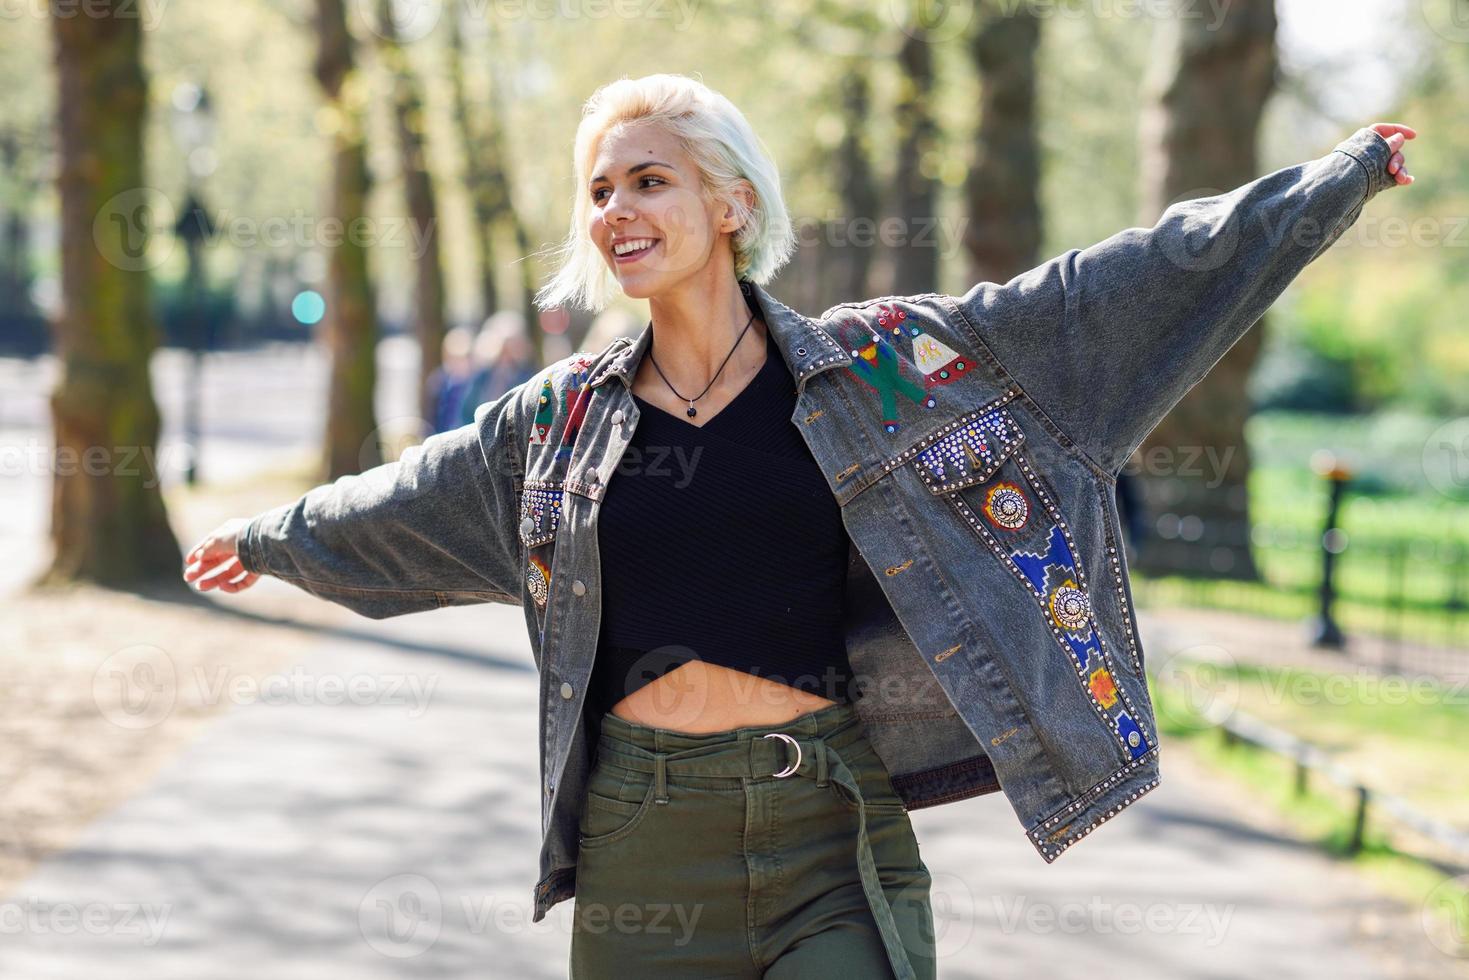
1327, 633
1359, 822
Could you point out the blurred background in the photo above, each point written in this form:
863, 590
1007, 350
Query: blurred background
248, 248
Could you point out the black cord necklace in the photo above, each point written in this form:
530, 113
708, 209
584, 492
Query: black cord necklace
692, 411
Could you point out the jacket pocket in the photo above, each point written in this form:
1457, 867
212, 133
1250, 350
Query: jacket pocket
540, 512
981, 467
540, 518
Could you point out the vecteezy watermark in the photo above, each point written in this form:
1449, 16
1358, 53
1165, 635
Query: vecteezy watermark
149, 12
414, 20
405, 914
401, 916
1449, 19
673, 919
300, 687
1182, 461
133, 230
1202, 684
1362, 689
660, 461
136, 687
945, 20
1099, 916
34, 916
1212, 12
1445, 458
37, 457
1445, 916
837, 230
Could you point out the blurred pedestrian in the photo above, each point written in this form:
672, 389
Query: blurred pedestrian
501, 359
448, 382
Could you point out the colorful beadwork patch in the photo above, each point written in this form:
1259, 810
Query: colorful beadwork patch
939, 362
1070, 607
1102, 688
578, 395
538, 580
540, 514
540, 430
1006, 506
970, 452
877, 363
890, 318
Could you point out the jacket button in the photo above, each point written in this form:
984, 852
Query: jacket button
617, 417
579, 587
566, 691
528, 526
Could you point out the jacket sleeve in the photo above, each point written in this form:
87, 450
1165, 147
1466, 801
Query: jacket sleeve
435, 528
1107, 339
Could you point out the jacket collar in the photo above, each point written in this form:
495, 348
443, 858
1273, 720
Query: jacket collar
807, 349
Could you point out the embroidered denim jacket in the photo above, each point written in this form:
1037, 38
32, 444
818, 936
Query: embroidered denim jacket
972, 442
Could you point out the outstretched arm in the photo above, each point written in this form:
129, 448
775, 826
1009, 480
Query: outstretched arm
434, 528
1107, 339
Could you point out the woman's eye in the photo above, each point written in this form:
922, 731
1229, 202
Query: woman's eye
597, 194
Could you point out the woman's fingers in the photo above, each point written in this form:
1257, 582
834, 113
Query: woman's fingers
237, 578
1388, 130
1396, 134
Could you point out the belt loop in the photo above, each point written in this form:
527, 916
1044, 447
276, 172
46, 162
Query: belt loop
820, 763
660, 778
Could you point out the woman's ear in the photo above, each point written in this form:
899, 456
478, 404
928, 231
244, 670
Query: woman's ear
732, 220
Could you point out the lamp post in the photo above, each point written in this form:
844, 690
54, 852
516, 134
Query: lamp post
193, 131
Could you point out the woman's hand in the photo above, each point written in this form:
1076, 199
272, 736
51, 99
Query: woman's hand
1396, 134
215, 562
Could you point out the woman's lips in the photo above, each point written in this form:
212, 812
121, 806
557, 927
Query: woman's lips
634, 256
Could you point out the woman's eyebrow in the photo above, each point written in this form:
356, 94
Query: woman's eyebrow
634, 169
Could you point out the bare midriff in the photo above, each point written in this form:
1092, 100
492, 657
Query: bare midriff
700, 697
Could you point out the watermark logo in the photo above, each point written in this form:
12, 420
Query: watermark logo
136, 687
401, 916
133, 230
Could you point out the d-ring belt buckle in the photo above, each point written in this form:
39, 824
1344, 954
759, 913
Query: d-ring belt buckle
788, 770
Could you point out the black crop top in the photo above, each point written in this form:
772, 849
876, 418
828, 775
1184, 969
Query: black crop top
722, 542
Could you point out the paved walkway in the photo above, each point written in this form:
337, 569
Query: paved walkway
399, 838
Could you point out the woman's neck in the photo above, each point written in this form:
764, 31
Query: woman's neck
696, 327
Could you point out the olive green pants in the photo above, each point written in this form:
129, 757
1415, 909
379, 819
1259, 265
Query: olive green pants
777, 851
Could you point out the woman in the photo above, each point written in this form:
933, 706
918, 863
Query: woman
807, 575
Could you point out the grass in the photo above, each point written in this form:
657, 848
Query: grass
1419, 741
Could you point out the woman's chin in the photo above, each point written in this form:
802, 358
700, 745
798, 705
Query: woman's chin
637, 287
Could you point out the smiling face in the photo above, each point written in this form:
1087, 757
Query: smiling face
650, 215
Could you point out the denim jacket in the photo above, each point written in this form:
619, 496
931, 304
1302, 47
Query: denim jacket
972, 443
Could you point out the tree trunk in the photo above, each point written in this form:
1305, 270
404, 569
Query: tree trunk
1206, 97
350, 325
418, 191
108, 522
1002, 189
500, 198
477, 175
916, 265
850, 243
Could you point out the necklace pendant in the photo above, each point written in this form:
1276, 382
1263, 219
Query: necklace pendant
692, 410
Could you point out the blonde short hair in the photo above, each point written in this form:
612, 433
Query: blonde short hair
723, 146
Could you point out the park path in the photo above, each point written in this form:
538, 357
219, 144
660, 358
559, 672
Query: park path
397, 835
